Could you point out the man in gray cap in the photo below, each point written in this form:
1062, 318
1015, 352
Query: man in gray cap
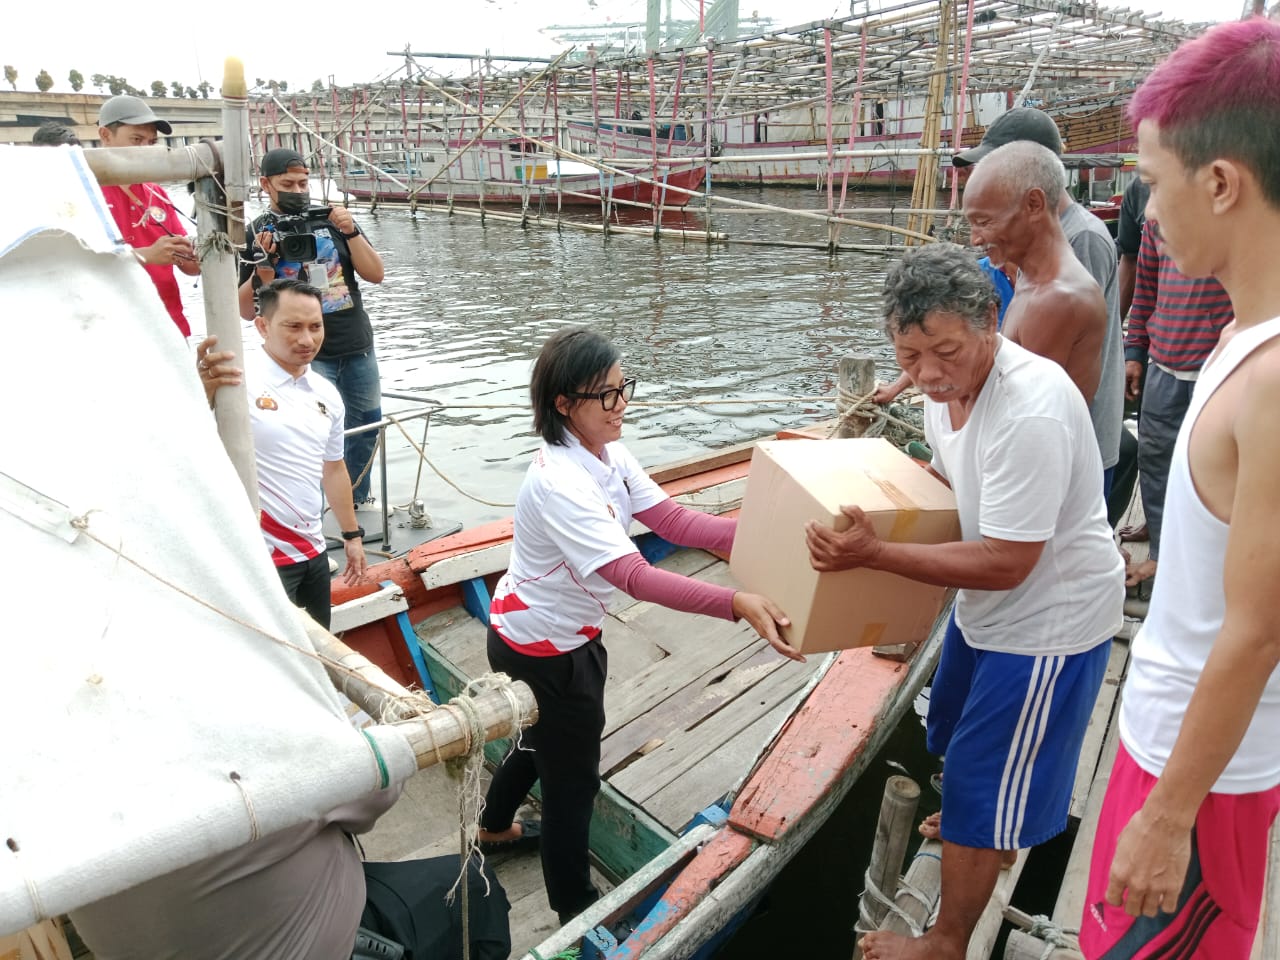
1094, 248
343, 256
146, 216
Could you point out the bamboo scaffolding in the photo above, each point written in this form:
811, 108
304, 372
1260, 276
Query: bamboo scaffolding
940, 78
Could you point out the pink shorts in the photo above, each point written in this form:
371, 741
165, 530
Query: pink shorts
1217, 915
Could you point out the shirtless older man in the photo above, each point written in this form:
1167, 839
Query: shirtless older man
1011, 203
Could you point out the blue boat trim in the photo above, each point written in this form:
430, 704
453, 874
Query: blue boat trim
415, 651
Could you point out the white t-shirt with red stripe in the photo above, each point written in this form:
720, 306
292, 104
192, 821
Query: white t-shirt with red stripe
572, 516
297, 427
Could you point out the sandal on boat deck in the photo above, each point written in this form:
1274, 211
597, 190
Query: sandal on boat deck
530, 839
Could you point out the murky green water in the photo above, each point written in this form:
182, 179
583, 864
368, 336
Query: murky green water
464, 308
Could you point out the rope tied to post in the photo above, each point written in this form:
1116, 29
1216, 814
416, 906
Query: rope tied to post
1054, 936
891, 908
893, 421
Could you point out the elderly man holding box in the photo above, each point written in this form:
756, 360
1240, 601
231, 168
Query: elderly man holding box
1041, 583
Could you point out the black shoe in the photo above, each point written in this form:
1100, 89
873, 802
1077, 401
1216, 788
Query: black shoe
530, 839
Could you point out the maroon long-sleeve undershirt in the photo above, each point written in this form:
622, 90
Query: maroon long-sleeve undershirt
635, 576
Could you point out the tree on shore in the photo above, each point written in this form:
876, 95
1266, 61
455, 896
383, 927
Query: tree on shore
76, 79
193, 93
204, 88
44, 82
178, 89
11, 76
158, 89
317, 86
99, 80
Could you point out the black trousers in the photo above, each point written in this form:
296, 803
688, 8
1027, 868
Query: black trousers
307, 586
1124, 478
563, 754
1165, 400
407, 902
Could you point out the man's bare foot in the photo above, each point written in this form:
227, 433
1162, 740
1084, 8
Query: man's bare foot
1132, 534
1136, 573
892, 946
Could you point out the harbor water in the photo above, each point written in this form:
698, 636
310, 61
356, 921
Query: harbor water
459, 318
465, 306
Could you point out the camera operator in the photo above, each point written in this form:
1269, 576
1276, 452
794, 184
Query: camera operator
325, 248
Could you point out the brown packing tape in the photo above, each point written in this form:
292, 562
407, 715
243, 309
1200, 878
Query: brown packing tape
871, 634
908, 513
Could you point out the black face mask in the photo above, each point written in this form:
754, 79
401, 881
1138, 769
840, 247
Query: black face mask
293, 204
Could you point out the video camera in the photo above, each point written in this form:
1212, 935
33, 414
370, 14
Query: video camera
294, 238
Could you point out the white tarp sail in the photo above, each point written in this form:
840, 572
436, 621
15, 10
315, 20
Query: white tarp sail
149, 718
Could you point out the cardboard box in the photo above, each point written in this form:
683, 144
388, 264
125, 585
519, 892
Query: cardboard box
793, 481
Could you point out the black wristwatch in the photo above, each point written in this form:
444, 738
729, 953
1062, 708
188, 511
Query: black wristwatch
353, 234
356, 534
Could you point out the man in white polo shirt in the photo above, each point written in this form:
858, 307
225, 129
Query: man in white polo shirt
297, 419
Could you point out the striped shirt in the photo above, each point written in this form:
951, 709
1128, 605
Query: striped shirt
1174, 320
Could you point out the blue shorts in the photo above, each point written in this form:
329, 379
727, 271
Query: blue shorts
1011, 726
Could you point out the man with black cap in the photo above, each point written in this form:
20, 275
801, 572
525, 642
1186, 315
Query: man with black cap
146, 216
343, 257
1094, 248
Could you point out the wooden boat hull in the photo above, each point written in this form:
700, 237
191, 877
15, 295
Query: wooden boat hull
680, 898
578, 190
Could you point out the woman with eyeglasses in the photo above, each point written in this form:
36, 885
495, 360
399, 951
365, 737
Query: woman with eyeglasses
570, 551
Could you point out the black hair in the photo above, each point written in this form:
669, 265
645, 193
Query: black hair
269, 294
937, 277
53, 134
573, 360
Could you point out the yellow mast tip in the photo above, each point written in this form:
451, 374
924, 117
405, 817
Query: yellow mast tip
233, 78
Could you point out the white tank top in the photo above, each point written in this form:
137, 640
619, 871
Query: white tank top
1187, 610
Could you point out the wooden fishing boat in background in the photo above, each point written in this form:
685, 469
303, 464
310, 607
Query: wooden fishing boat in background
512, 172
720, 758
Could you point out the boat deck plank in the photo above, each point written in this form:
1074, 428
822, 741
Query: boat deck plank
719, 771
672, 766
1104, 712
687, 704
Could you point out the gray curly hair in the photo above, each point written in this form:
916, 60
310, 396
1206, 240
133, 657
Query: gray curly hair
937, 277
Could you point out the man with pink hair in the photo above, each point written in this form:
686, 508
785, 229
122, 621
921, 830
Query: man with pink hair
1181, 849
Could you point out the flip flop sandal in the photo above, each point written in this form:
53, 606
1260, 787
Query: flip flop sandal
530, 839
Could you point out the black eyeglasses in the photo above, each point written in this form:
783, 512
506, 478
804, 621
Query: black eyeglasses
609, 398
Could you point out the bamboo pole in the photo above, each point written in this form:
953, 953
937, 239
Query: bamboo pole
925, 189
436, 735
925, 876
126, 165
893, 832
220, 215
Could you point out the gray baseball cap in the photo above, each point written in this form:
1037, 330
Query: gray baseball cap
1020, 123
132, 110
